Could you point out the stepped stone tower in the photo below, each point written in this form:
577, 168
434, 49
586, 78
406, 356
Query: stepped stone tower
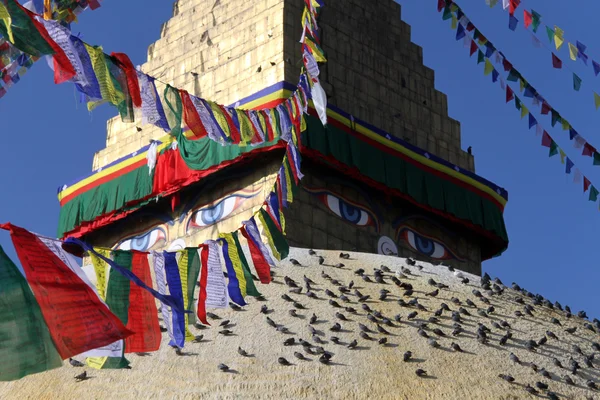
387, 175
213, 48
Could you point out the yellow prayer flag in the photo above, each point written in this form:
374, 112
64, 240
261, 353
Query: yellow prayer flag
101, 270
454, 23
573, 51
47, 10
183, 266
488, 68
5, 17
558, 37
565, 124
524, 111
596, 100
521, 84
562, 156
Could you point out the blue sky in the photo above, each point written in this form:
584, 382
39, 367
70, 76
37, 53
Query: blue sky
50, 138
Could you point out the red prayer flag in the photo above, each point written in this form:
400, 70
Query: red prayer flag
142, 314
76, 317
545, 108
509, 94
260, 264
556, 62
586, 184
474, 47
441, 5
528, 18
513, 6
588, 149
203, 279
191, 117
546, 140
123, 61
507, 66
63, 69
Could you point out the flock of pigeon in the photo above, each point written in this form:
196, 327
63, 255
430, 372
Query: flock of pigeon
440, 319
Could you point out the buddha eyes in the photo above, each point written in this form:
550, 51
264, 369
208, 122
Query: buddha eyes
212, 214
425, 245
145, 241
348, 212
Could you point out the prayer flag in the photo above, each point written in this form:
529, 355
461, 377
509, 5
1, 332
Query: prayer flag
546, 140
556, 62
596, 100
576, 82
569, 166
586, 184
573, 52
536, 17
596, 67
593, 193
512, 22
488, 67
527, 18
558, 37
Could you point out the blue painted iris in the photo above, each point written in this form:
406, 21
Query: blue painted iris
212, 214
427, 246
347, 211
143, 241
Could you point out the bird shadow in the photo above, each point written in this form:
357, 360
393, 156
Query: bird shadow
187, 354
87, 378
362, 348
232, 371
429, 377
333, 363
143, 354
390, 345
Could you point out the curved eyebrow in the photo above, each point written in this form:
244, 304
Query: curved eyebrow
404, 219
192, 206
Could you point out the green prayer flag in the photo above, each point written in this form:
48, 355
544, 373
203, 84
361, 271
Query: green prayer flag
593, 193
555, 117
596, 158
250, 286
447, 14
192, 279
278, 239
26, 37
550, 33
576, 82
536, 19
513, 75
26, 347
553, 149
517, 103
173, 110
480, 57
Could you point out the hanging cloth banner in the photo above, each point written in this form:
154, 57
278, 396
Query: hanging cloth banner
57, 288
262, 264
165, 299
174, 284
201, 305
237, 282
26, 347
189, 269
250, 286
152, 110
158, 261
279, 245
126, 65
142, 314
216, 288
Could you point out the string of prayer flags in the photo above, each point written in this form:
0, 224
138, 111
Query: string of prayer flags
546, 140
57, 287
527, 89
27, 347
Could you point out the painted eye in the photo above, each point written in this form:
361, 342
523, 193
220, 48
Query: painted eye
211, 215
144, 241
426, 246
348, 212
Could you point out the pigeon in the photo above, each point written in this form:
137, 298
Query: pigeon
569, 381
350, 310
329, 293
212, 316
295, 262
407, 356
514, 358
223, 367
545, 373
596, 346
295, 291
551, 335
225, 332
293, 313
542, 341
365, 336
383, 341
345, 299
344, 256
571, 330
591, 384
271, 322
507, 378
264, 309
163, 329
311, 252
552, 396
341, 316
287, 298
339, 265
235, 307
555, 321
198, 339
336, 327
412, 315
242, 352
541, 385
225, 323
311, 295
433, 294
334, 303
439, 332
457, 331
380, 329
456, 347
421, 372
352, 344
283, 361
299, 355
531, 390
313, 319
324, 359
335, 339
282, 329
298, 305
75, 363
503, 340
321, 260
433, 343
